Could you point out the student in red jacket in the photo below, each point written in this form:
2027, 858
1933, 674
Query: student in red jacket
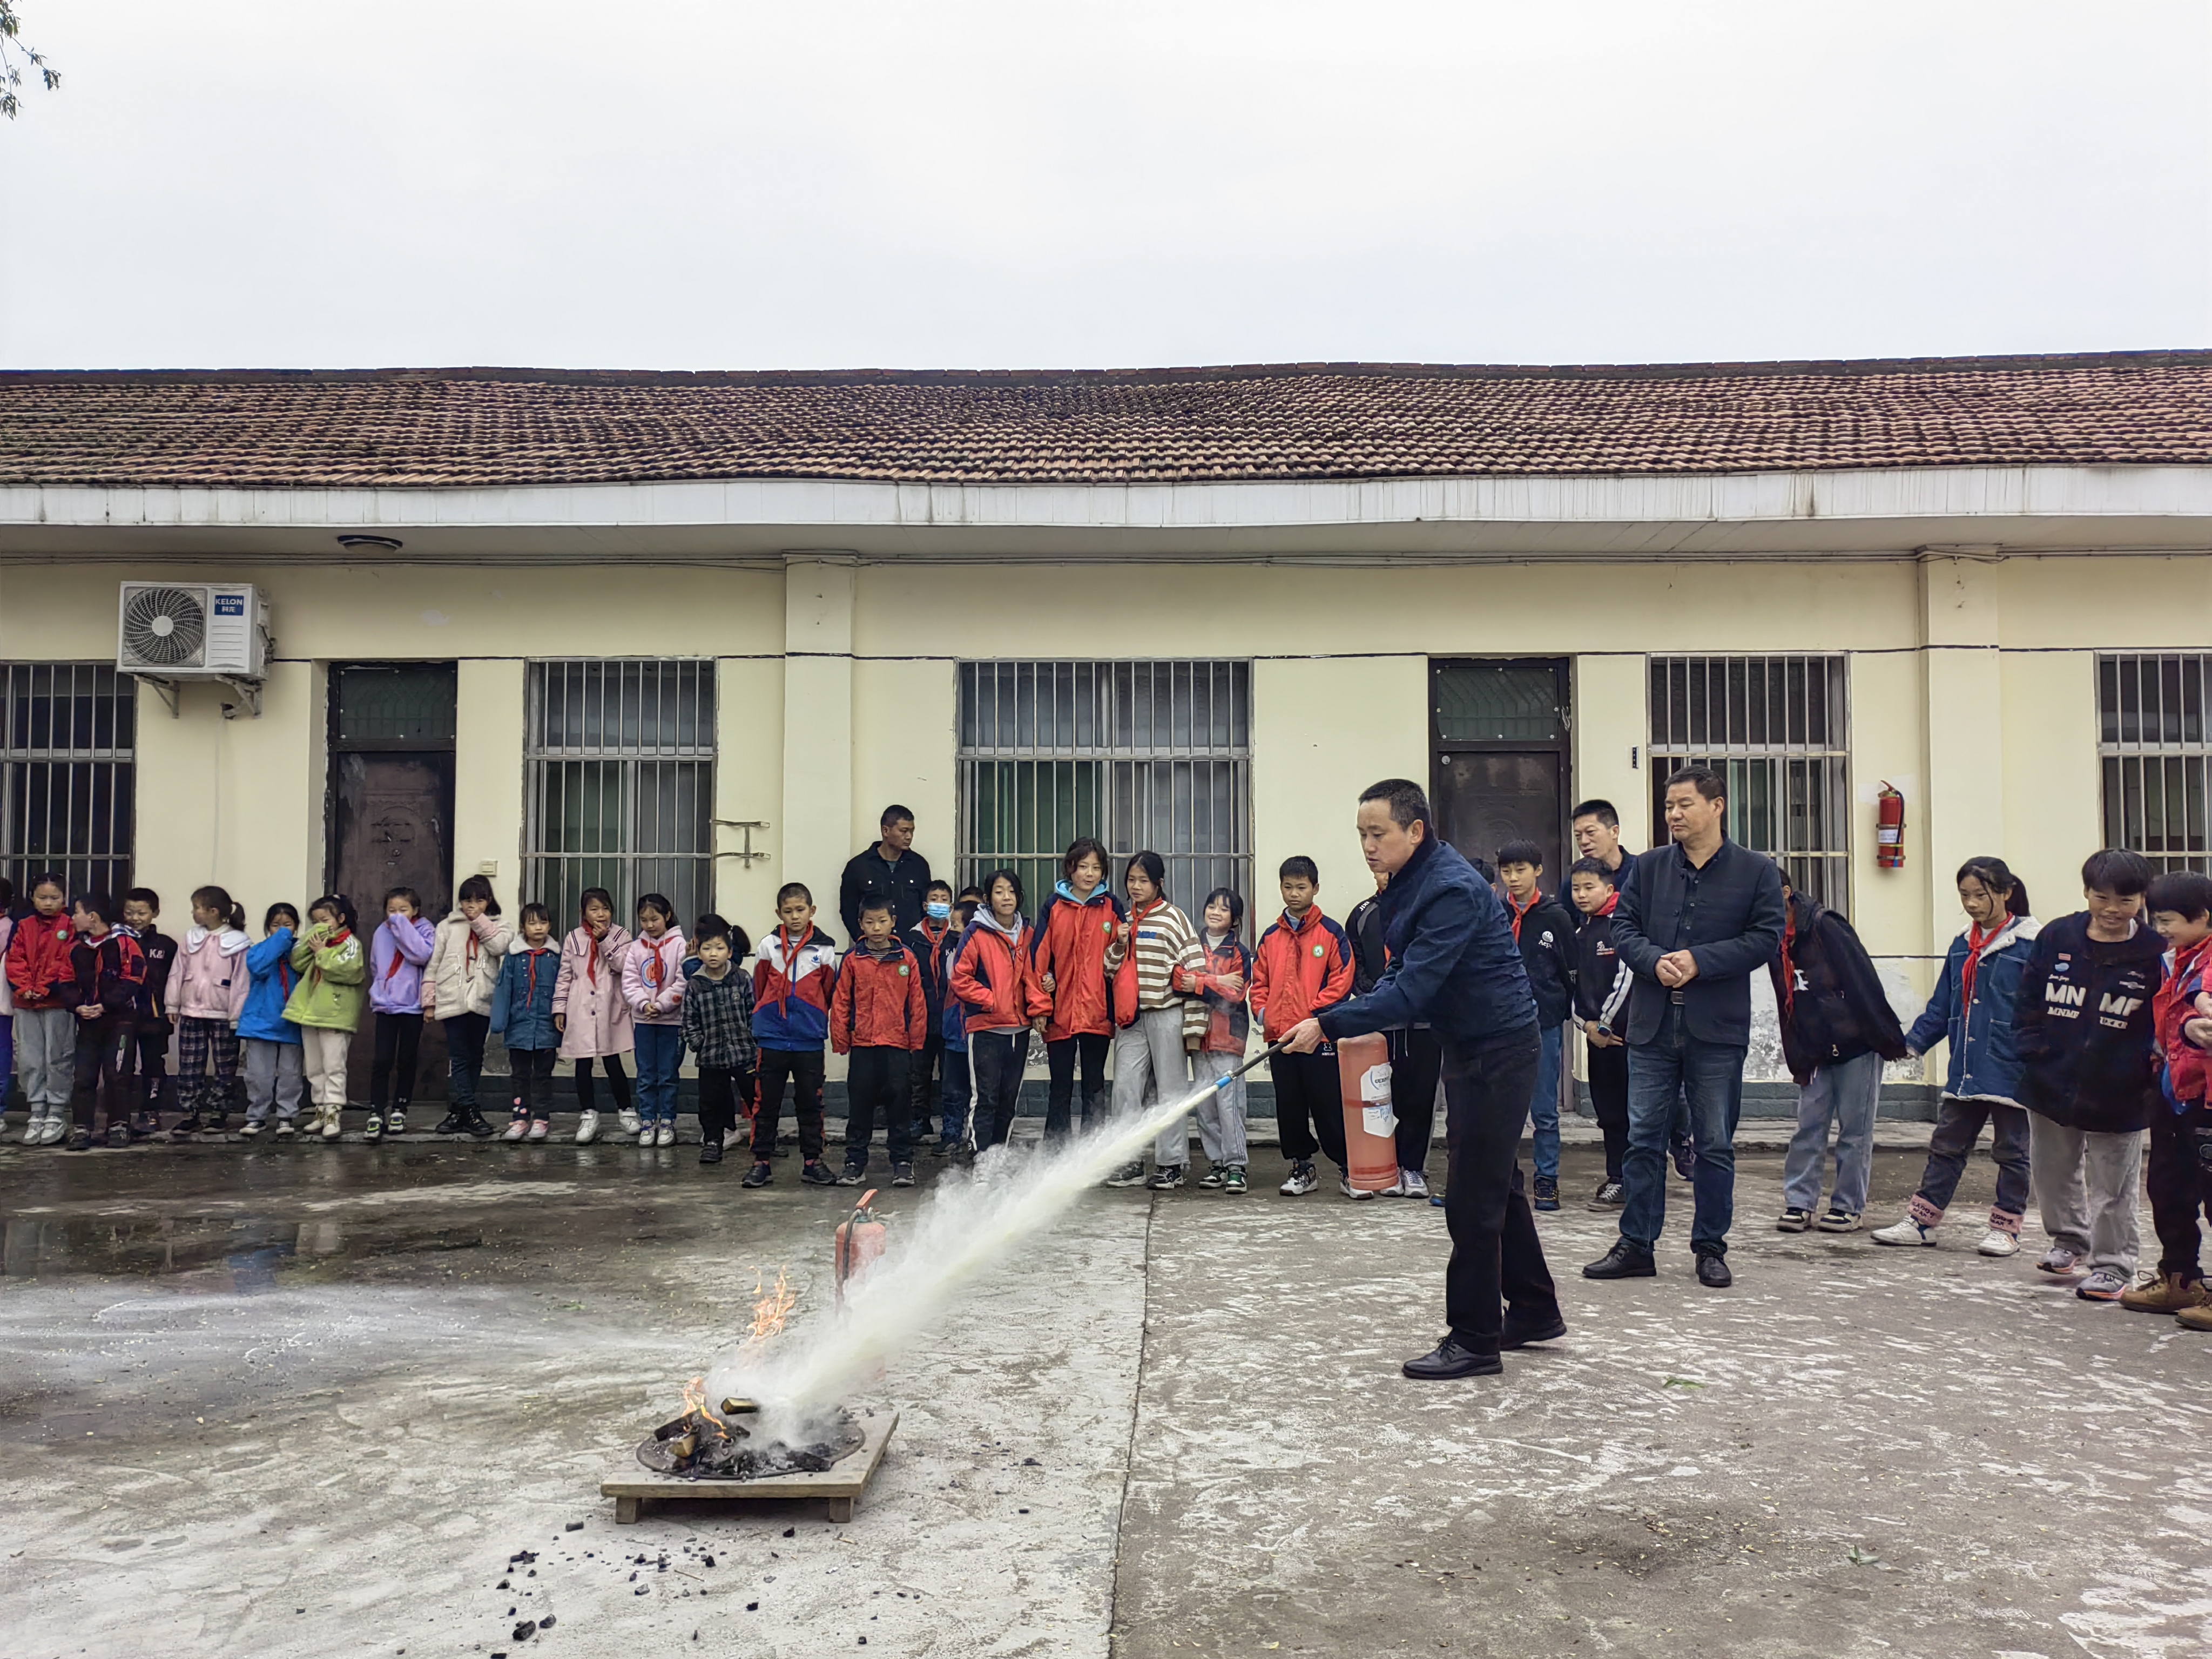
45, 1032
1068, 947
106, 993
2179, 1173
995, 980
1302, 966
879, 1017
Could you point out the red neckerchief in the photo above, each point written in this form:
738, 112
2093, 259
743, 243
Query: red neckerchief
533, 955
658, 973
469, 955
1788, 963
592, 962
1521, 910
790, 954
935, 935
1976, 938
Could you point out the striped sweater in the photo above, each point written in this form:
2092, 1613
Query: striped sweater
1161, 941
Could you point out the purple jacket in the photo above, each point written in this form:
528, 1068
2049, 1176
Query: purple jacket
395, 964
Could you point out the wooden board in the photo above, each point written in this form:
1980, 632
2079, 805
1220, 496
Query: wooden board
840, 1485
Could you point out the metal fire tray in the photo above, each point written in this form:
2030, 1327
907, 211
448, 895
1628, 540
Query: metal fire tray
840, 1485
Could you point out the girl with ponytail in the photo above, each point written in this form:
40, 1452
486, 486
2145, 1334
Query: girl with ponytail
208, 982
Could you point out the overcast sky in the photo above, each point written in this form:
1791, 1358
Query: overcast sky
730, 185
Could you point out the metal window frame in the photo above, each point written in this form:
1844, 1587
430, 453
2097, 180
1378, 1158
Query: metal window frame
2154, 755
1187, 737
1725, 722
86, 770
635, 744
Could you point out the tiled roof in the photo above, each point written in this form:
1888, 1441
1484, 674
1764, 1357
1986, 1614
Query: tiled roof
479, 427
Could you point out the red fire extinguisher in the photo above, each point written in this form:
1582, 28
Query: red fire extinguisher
860, 1242
1889, 828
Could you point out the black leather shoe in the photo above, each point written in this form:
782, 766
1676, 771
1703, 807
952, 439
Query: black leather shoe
1517, 1336
1450, 1360
476, 1126
1713, 1272
1623, 1261
453, 1123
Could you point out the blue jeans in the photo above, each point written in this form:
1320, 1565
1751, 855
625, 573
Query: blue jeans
1710, 1075
952, 1098
660, 1057
1544, 1104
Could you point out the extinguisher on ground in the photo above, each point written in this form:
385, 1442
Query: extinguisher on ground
1889, 828
860, 1242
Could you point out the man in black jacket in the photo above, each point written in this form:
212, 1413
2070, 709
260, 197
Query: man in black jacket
891, 869
1837, 1029
1452, 963
1700, 918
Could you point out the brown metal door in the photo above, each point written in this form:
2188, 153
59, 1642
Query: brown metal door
1486, 799
391, 826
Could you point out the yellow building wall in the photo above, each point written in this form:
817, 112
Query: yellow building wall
748, 789
488, 733
904, 753
1612, 732
1316, 742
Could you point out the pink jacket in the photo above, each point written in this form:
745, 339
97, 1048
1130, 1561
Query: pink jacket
208, 978
587, 996
653, 972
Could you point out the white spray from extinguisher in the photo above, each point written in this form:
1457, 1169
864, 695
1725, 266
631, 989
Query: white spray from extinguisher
966, 1223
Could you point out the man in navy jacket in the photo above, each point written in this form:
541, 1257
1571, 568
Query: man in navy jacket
1701, 918
1452, 963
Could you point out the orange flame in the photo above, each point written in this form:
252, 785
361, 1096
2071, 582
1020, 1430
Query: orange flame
772, 1308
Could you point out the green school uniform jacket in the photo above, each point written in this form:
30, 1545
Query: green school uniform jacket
332, 980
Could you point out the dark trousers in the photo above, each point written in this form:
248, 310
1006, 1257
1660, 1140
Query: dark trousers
152, 1088
1673, 1067
723, 1093
1958, 1127
1416, 1061
1310, 1106
1495, 1255
2179, 1177
956, 1090
802, 1068
532, 1078
464, 1042
921, 1100
103, 1060
1061, 1056
879, 1084
392, 1072
617, 1083
996, 1058
1608, 1087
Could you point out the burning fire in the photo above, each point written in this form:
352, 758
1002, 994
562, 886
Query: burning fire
771, 1308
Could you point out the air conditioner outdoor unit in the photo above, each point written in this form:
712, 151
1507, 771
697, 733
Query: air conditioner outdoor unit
170, 632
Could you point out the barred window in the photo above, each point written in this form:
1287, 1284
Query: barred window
2155, 754
1140, 755
622, 784
1777, 729
67, 779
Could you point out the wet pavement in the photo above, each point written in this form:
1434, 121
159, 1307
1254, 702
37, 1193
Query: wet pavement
307, 1400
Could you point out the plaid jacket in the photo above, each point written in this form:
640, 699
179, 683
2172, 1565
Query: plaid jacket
718, 1021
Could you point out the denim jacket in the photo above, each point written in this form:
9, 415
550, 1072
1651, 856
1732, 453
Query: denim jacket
1984, 1064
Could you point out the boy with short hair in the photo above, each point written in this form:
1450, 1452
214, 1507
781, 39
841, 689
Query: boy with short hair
2082, 1028
152, 1087
1602, 1006
795, 976
718, 1029
926, 939
1542, 929
958, 1090
1302, 966
879, 1018
2180, 1172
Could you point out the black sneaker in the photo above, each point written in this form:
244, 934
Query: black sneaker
1793, 1220
1167, 1178
1129, 1175
186, 1126
816, 1173
1610, 1196
849, 1176
118, 1135
476, 1126
759, 1176
1547, 1192
710, 1151
453, 1123
902, 1174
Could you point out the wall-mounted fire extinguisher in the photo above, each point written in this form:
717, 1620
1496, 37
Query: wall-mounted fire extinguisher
1889, 828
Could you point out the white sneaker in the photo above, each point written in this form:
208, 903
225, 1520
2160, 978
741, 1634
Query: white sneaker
53, 1132
1412, 1183
516, 1128
34, 1127
587, 1129
395, 1121
2061, 1261
1302, 1181
629, 1120
539, 1129
331, 1130
1997, 1242
1344, 1185
250, 1127
1907, 1231
667, 1136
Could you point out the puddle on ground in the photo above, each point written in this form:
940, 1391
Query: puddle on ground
252, 1251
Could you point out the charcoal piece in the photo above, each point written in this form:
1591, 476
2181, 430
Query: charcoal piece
526, 1630
573, 1526
710, 1560
789, 1532
546, 1623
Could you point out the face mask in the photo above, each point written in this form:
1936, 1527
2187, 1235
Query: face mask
937, 912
